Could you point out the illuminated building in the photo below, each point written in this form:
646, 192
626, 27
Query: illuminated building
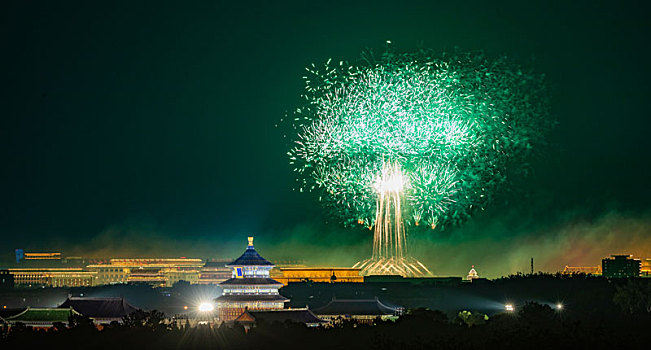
41, 317
588, 270
250, 287
153, 277
645, 268
319, 274
27, 259
155, 271
109, 274
621, 266
53, 277
42, 256
181, 274
214, 272
362, 310
472, 274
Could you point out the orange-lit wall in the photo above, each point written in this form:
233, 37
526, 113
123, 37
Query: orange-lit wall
318, 274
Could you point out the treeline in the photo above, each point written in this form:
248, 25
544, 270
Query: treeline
532, 326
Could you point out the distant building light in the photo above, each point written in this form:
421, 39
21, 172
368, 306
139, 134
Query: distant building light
509, 307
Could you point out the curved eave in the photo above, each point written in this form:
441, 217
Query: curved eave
250, 258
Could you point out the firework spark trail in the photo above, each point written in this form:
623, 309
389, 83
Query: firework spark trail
455, 125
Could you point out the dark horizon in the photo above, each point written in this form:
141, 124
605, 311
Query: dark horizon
142, 129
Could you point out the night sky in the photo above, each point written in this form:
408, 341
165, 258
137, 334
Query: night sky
148, 128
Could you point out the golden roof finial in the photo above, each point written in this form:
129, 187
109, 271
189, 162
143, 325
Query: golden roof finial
250, 241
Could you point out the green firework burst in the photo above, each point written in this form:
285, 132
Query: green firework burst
456, 124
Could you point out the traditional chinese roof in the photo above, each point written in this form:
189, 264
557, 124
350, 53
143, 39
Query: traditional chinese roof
99, 307
252, 297
44, 315
362, 307
250, 258
282, 315
215, 264
251, 281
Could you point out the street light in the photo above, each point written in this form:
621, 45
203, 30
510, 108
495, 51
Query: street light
509, 307
559, 306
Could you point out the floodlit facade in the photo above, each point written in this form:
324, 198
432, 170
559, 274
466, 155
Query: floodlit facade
214, 272
42, 256
621, 266
250, 287
319, 274
53, 277
158, 272
645, 270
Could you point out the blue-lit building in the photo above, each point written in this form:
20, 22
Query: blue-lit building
250, 287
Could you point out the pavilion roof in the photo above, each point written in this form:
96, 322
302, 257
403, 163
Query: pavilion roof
43, 315
366, 307
100, 307
250, 258
215, 264
280, 315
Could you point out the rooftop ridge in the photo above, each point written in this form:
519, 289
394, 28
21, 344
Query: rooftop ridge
376, 302
250, 257
96, 298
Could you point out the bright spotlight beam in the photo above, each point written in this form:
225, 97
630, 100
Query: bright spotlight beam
206, 307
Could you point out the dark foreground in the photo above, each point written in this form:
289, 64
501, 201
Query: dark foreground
534, 326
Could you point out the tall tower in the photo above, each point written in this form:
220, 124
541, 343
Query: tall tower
250, 287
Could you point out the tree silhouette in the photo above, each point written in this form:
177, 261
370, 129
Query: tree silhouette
634, 296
